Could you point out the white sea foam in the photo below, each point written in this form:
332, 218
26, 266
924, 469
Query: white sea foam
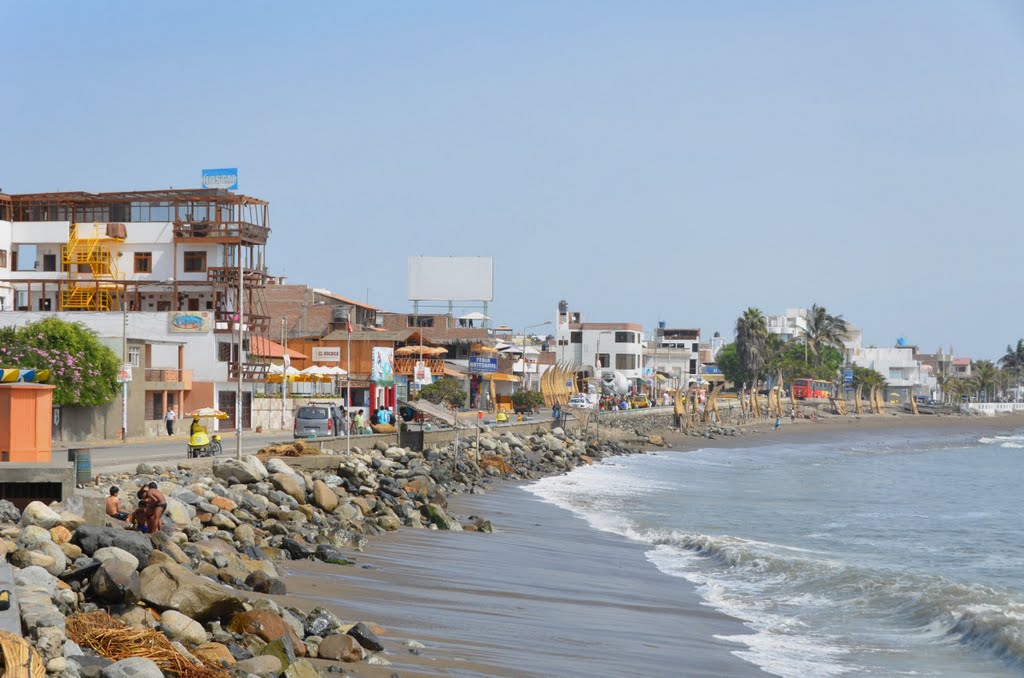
1014, 442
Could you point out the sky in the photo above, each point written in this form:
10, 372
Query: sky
645, 161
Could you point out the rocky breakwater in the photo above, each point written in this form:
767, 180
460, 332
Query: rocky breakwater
228, 530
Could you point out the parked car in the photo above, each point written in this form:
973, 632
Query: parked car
638, 401
315, 421
581, 401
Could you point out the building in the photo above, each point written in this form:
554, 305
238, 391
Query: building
599, 349
179, 264
790, 325
673, 352
303, 311
905, 376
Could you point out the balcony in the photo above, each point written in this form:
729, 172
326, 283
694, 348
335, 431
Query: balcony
159, 378
407, 366
210, 230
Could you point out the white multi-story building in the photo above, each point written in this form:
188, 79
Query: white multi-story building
790, 325
905, 376
178, 263
600, 348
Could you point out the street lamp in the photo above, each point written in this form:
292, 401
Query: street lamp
529, 327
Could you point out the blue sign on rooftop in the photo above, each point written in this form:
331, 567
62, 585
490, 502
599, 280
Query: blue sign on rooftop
226, 177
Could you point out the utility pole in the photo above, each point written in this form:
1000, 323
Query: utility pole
238, 385
124, 366
348, 377
284, 373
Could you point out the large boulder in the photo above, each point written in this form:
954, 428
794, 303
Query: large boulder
114, 553
177, 626
216, 653
290, 484
92, 538
9, 513
442, 520
324, 496
38, 513
261, 666
177, 513
246, 470
268, 626
116, 581
172, 587
340, 647
366, 637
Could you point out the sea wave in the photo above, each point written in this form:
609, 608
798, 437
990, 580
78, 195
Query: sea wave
981, 617
1011, 442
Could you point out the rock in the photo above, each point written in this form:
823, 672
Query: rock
38, 513
321, 622
175, 552
248, 470
116, 581
283, 649
114, 553
9, 513
303, 668
332, 554
266, 625
92, 538
367, 638
438, 517
60, 535
262, 583
144, 469
222, 521
50, 642
278, 465
260, 666
36, 579
177, 513
224, 504
296, 549
215, 653
58, 665
177, 626
71, 551
32, 537
289, 483
323, 496
173, 587
341, 647
26, 558
134, 667
245, 534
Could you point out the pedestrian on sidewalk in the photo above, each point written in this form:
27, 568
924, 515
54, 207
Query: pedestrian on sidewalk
169, 418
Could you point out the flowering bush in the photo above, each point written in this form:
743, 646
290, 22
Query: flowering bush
83, 370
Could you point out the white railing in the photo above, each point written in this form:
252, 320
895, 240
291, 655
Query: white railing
994, 408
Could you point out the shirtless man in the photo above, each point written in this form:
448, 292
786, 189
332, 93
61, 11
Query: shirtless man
157, 504
114, 505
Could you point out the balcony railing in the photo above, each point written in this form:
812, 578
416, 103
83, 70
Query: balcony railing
407, 366
220, 229
161, 375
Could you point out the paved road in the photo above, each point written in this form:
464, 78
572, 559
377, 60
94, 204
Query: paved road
126, 456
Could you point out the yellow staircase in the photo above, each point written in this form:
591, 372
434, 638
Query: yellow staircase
91, 264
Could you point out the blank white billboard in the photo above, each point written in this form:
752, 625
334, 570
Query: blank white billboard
451, 279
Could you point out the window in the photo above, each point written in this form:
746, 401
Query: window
625, 361
49, 262
420, 321
144, 262
3, 258
226, 352
576, 337
134, 353
624, 337
696, 347
603, 360
195, 262
693, 367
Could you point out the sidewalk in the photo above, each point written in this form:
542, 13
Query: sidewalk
181, 438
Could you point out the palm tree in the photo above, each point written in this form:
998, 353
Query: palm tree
824, 329
985, 377
1013, 361
751, 341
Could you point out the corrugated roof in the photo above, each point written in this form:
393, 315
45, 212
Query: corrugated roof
369, 335
265, 348
351, 302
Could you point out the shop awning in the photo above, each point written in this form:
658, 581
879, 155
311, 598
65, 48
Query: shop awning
452, 372
713, 377
500, 376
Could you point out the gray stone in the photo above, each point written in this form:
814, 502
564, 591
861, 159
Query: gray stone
171, 586
177, 626
114, 553
33, 536
262, 665
116, 581
320, 622
331, 554
302, 669
367, 638
9, 513
92, 538
36, 579
134, 667
339, 646
263, 583
438, 517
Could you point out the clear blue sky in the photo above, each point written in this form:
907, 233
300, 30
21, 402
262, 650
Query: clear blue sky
642, 160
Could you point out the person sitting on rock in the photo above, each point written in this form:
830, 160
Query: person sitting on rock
114, 505
156, 504
138, 519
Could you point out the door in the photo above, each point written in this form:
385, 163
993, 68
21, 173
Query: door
226, 404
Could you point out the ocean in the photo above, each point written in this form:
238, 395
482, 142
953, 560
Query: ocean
829, 552
887, 552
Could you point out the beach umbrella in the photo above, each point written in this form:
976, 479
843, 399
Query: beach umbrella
207, 413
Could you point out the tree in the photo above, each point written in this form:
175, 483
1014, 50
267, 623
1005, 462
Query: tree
1013, 362
751, 340
792, 362
824, 329
986, 376
82, 370
524, 398
729, 362
445, 390
867, 377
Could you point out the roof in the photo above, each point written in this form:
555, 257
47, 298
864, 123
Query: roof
634, 327
368, 335
265, 348
961, 361
350, 302
180, 194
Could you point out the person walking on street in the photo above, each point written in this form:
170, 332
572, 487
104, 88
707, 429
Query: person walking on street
169, 418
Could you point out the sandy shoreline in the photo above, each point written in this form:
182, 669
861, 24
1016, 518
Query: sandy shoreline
385, 585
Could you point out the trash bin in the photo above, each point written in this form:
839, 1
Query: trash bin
82, 459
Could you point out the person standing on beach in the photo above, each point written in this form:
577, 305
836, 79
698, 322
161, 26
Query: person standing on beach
169, 418
778, 422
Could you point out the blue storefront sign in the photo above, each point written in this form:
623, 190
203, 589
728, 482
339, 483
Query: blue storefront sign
848, 376
710, 369
483, 365
225, 177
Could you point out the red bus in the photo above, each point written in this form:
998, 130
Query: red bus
812, 388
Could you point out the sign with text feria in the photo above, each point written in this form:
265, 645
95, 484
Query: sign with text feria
189, 321
383, 370
225, 177
483, 365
